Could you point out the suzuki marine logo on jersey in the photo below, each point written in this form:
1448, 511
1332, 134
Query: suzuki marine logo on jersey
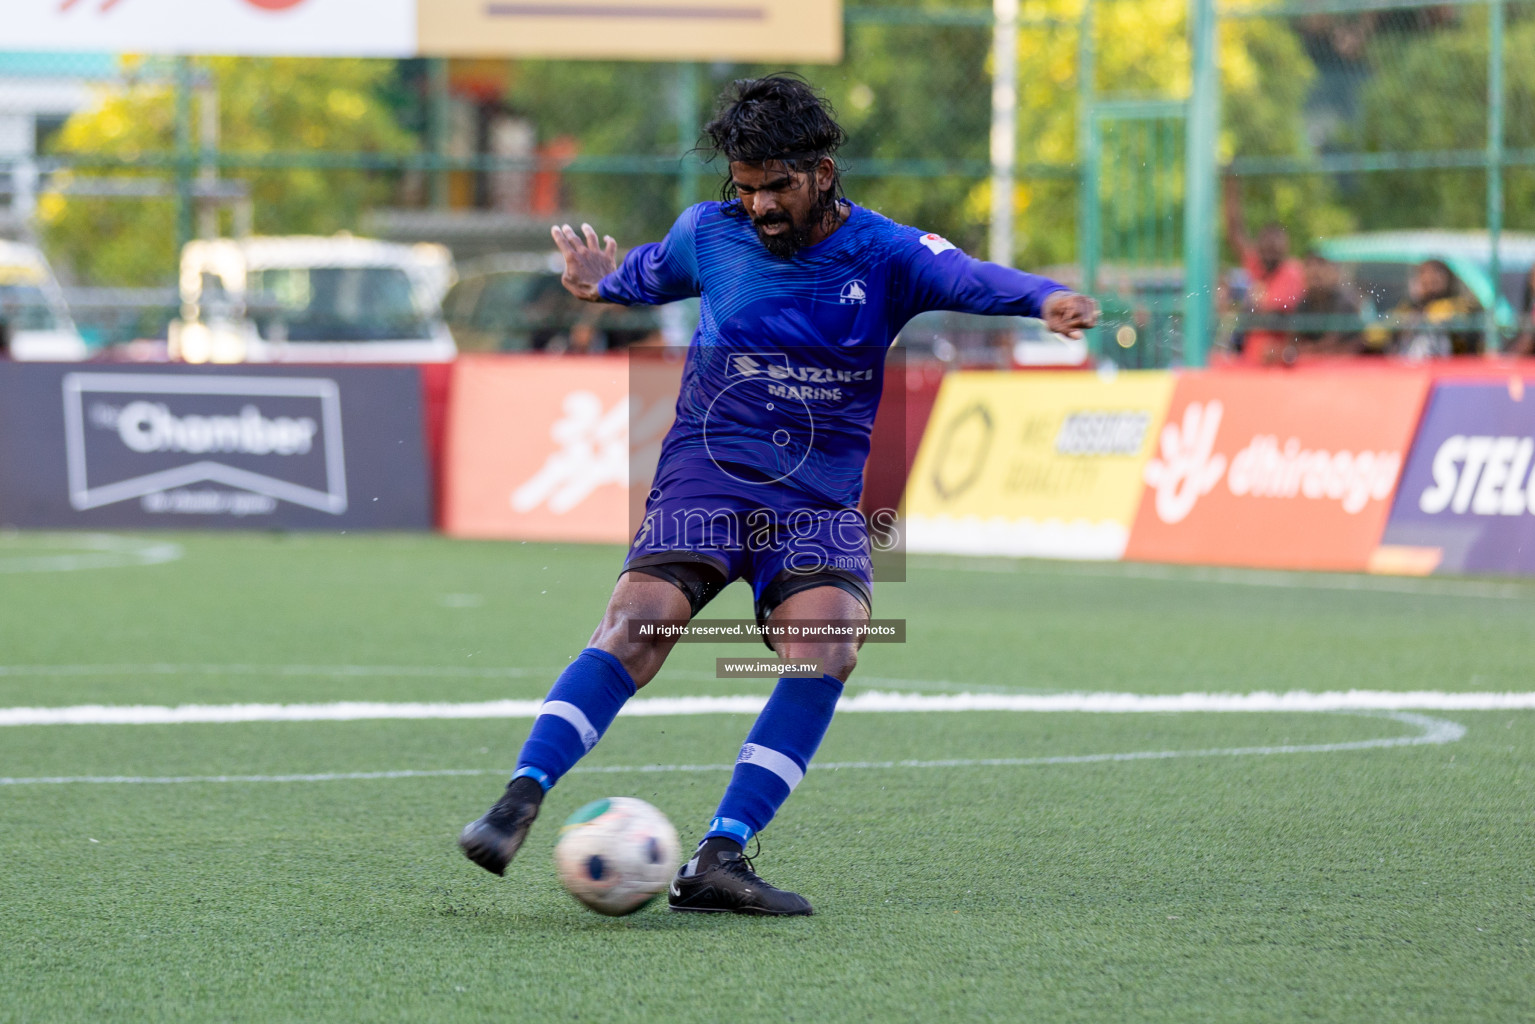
855, 292
204, 445
936, 243
744, 366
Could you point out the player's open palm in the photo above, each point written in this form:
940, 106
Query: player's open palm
1069, 313
586, 262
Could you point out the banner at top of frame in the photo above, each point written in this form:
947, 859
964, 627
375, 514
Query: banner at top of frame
732, 30
738, 30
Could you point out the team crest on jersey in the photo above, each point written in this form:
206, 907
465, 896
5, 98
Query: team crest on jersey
936, 243
855, 291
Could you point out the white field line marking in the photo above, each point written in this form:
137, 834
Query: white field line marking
871, 701
326, 671
83, 551
429, 672
1433, 731
1248, 578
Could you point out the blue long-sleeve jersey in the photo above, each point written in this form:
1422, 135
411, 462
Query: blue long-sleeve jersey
784, 374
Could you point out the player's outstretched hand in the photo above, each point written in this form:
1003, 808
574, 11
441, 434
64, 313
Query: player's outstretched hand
1069, 313
586, 263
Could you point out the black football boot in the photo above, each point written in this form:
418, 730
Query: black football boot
726, 883
492, 839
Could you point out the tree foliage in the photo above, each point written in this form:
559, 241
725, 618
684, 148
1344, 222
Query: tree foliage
265, 106
1440, 80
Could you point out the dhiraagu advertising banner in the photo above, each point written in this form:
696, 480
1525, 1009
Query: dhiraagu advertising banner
1042, 464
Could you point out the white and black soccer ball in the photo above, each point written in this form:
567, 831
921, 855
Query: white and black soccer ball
616, 855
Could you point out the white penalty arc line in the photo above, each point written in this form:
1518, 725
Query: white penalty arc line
74, 552
867, 702
1432, 732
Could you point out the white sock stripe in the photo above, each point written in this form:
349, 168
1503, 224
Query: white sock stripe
575, 716
780, 765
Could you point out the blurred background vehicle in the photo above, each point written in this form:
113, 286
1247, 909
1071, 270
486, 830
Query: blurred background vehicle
34, 320
514, 302
310, 299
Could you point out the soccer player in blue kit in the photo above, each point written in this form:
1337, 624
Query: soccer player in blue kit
802, 293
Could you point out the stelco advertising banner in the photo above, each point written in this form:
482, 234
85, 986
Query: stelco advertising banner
545, 448
1467, 499
180, 447
742, 30
1293, 471
1034, 464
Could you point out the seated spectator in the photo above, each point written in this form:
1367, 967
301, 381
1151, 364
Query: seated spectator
1328, 296
1277, 279
1524, 341
1435, 320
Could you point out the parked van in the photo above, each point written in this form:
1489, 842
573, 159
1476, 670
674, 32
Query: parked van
312, 300
34, 321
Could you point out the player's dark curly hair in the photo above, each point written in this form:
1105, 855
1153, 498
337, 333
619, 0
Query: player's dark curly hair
779, 117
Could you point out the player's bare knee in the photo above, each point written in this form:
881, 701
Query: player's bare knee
837, 660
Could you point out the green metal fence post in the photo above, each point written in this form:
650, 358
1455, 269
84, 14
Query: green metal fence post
1199, 261
687, 135
438, 113
1089, 225
1494, 339
185, 201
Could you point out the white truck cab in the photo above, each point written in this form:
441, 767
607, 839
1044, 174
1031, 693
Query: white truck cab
305, 299
34, 321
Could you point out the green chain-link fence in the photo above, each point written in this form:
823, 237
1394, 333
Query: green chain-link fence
1341, 120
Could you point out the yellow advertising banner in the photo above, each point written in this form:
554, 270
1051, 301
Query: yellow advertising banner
1045, 465
802, 31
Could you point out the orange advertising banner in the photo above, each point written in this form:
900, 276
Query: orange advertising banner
553, 448
1285, 471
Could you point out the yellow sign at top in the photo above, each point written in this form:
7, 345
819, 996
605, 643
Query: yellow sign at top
807, 31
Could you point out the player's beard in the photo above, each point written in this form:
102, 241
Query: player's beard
786, 243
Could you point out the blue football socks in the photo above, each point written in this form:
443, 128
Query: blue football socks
578, 710
775, 756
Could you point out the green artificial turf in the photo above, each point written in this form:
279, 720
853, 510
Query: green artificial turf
1393, 883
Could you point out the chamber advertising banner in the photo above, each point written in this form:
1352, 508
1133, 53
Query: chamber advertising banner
1275, 470
547, 448
196, 448
1034, 464
1467, 500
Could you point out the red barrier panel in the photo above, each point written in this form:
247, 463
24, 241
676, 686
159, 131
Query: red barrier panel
541, 447
1278, 470
905, 406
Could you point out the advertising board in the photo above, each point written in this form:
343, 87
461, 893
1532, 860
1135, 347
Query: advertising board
1292, 471
544, 448
730, 30
290, 448
1467, 499
740, 30
321, 28
1034, 464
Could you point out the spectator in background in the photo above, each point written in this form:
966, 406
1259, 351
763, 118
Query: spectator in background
1327, 296
1436, 319
1524, 340
1278, 281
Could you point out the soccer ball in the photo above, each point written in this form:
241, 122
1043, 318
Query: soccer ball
615, 855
